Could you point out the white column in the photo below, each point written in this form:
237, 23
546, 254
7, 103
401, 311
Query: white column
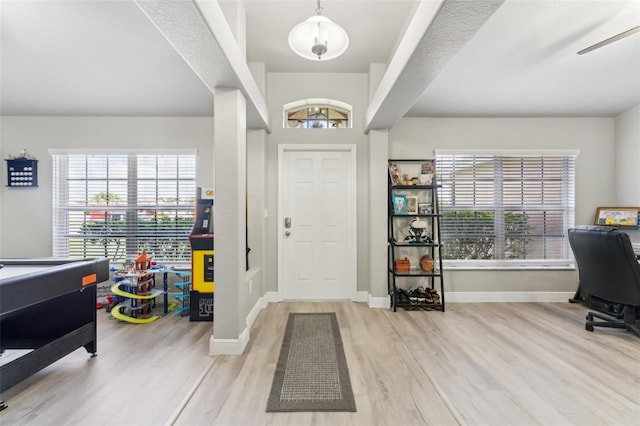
378, 171
256, 198
230, 145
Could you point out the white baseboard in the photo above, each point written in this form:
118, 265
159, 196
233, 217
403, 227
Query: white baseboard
362, 296
373, 302
507, 296
452, 297
271, 297
236, 346
379, 302
229, 346
260, 305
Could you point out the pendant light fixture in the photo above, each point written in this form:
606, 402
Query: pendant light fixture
318, 38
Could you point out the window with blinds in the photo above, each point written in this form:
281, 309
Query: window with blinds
117, 205
506, 209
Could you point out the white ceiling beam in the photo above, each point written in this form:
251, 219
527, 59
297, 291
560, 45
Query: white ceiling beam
436, 33
199, 32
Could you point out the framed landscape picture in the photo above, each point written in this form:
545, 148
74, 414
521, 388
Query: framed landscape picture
617, 216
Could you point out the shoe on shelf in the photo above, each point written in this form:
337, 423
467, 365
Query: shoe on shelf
408, 294
423, 295
401, 297
415, 296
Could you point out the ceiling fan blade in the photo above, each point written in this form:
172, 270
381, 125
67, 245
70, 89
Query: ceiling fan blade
610, 40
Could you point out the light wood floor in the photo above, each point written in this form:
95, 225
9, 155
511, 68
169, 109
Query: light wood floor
475, 364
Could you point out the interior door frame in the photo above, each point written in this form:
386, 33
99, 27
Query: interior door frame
352, 234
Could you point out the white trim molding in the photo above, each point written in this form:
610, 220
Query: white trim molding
508, 152
362, 296
379, 302
116, 151
271, 297
507, 296
253, 314
229, 346
236, 346
373, 302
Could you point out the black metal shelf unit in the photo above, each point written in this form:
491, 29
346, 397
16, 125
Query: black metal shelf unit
413, 234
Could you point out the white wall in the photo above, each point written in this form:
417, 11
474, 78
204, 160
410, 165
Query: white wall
25, 222
25, 214
289, 87
595, 181
628, 158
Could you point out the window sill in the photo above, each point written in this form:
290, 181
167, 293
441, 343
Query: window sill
502, 266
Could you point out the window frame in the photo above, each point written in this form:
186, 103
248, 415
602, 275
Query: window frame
62, 233
568, 209
318, 104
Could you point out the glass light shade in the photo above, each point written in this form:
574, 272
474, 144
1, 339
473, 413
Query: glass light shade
317, 33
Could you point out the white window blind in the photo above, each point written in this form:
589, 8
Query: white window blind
506, 209
117, 205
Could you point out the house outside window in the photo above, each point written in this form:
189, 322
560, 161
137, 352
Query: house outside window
506, 209
317, 114
116, 205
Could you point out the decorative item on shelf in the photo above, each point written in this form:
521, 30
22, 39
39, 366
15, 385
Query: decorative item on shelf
427, 173
617, 216
425, 208
394, 174
428, 168
417, 232
412, 204
402, 266
23, 155
318, 38
426, 263
399, 204
426, 179
22, 171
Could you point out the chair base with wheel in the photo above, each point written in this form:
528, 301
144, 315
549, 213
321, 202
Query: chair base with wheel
629, 321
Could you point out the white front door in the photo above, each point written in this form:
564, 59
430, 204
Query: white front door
316, 219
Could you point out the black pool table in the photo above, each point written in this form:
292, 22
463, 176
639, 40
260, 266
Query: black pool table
48, 310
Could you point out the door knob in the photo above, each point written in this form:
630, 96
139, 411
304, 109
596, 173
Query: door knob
287, 233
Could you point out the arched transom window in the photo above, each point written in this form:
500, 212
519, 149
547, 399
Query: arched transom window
317, 114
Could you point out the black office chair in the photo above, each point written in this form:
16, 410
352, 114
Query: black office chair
609, 274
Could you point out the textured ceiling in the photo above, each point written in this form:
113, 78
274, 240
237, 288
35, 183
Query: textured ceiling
96, 57
91, 58
524, 62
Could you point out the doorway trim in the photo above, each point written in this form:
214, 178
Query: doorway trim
353, 204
